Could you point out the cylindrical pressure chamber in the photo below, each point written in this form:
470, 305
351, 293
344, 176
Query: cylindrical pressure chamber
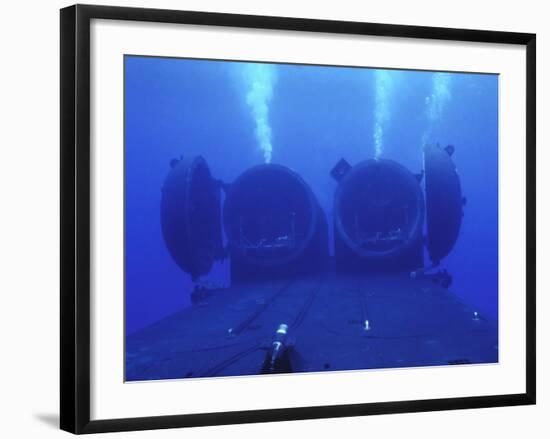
274, 224
379, 217
272, 221
270, 224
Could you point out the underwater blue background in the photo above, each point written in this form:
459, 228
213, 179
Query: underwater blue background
310, 116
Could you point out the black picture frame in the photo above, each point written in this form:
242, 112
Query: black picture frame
75, 217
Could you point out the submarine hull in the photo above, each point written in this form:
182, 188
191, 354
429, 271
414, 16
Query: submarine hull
335, 322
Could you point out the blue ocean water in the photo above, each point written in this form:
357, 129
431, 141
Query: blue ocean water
238, 115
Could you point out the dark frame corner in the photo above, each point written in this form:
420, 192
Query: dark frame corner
75, 217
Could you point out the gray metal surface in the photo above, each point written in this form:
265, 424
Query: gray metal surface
411, 322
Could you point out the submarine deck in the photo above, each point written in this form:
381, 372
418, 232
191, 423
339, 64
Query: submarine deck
335, 322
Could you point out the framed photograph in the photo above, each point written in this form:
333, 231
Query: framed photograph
268, 218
